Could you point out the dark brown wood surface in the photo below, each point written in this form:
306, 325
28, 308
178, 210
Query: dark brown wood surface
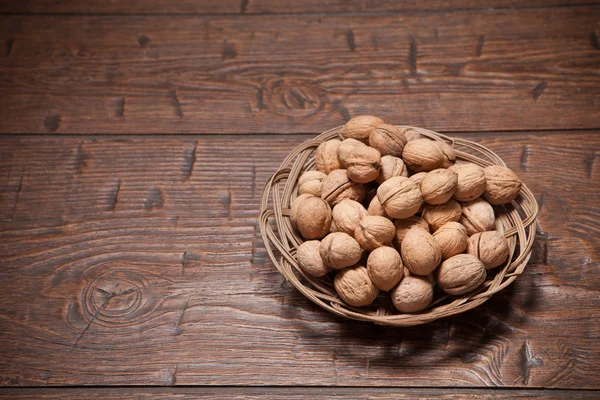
136, 139
513, 69
136, 261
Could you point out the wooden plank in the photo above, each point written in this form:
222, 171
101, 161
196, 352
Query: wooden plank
448, 71
294, 393
137, 261
242, 7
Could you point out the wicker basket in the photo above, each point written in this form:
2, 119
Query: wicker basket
516, 220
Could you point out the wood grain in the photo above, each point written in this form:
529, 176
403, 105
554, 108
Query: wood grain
135, 260
447, 71
294, 393
242, 7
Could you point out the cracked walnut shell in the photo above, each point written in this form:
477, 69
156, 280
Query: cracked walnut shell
460, 274
490, 247
373, 232
354, 286
326, 156
502, 185
385, 267
339, 250
400, 197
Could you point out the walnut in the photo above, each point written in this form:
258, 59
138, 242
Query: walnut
452, 238
385, 267
362, 164
502, 185
403, 225
373, 232
490, 247
420, 252
310, 182
411, 134
310, 260
438, 186
388, 139
422, 155
390, 167
478, 216
400, 197
339, 250
312, 217
347, 214
360, 127
460, 274
344, 149
449, 155
326, 156
438, 215
418, 177
414, 293
471, 181
354, 286
337, 187
376, 209
294, 208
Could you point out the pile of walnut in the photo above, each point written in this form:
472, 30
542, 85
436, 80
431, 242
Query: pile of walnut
398, 203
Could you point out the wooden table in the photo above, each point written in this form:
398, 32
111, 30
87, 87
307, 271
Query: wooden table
136, 141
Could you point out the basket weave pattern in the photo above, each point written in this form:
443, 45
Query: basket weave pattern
517, 221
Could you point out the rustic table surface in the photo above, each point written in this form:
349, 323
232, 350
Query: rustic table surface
136, 139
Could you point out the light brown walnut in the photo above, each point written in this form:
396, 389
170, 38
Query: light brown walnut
460, 274
310, 260
326, 156
490, 247
310, 182
360, 128
438, 215
312, 217
471, 181
478, 216
363, 164
390, 167
422, 155
337, 187
400, 197
354, 286
388, 139
373, 232
345, 148
385, 267
403, 225
339, 250
452, 238
438, 186
347, 214
421, 254
502, 185
413, 294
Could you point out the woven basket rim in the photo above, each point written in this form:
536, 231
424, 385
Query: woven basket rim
517, 221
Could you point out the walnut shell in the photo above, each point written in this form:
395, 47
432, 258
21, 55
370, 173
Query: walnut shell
312, 217
490, 247
360, 127
403, 225
502, 185
449, 154
460, 274
400, 197
337, 187
373, 232
344, 149
310, 182
362, 164
478, 216
354, 286
385, 267
294, 209
438, 186
310, 260
390, 167
452, 238
420, 252
438, 215
326, 156
422, 155
376, 209
339, 250
418, 177
388, 139
471, 181
411, 134
347, 214
413, 294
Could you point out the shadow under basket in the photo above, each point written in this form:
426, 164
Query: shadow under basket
517, 221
